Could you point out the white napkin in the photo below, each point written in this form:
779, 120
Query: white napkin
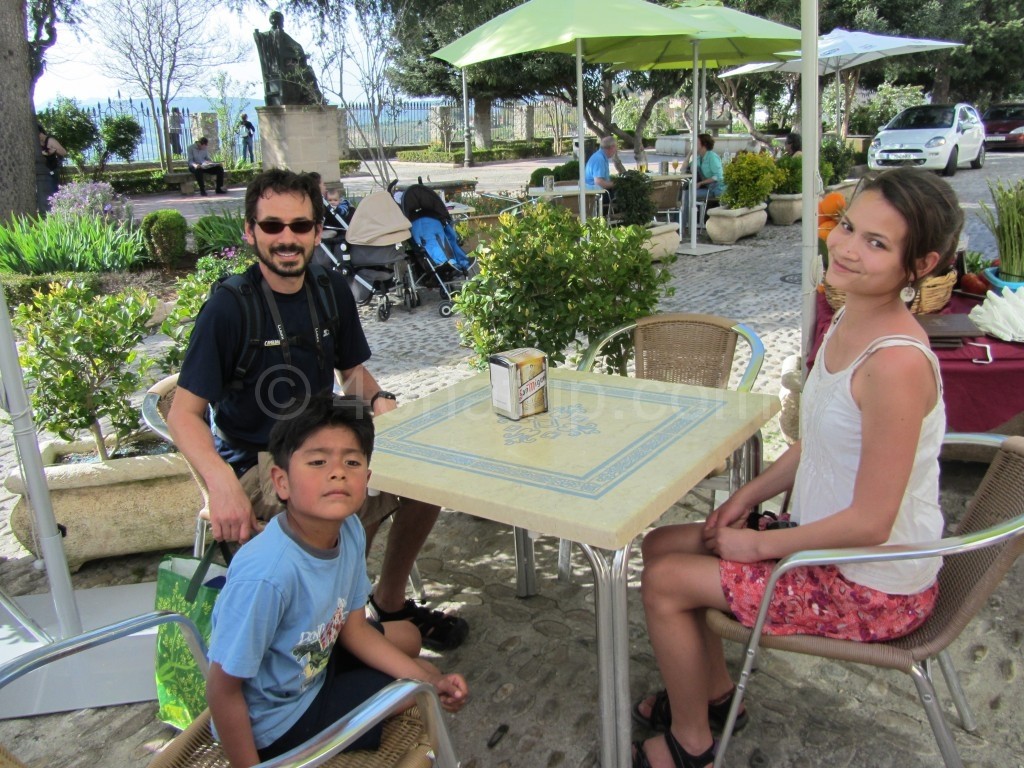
1001, 316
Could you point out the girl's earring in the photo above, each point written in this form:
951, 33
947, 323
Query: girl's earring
908, 294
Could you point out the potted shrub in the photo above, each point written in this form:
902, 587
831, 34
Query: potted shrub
80, 353
633, 203
786, 202
1006, 222
749, 179
550, 282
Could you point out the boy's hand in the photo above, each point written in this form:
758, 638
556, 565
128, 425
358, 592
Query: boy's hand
453, 691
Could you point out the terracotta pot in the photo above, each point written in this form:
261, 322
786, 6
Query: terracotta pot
727, 225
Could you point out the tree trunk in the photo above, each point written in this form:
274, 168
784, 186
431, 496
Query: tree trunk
940, 83
19, 143
729, 93
482, 122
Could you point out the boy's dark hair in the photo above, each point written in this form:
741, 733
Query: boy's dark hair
795, 141
280, 181
323, 410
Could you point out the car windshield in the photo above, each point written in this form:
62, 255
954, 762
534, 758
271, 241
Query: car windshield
1005, 112
923, 117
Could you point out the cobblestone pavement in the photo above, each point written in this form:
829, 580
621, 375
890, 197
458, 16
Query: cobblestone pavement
531, 663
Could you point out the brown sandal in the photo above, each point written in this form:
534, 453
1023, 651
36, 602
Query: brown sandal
660, 718
680, 757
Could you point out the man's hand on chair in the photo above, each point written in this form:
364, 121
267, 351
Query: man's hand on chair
231, 514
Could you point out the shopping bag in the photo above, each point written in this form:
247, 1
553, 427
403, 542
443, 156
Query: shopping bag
183, 586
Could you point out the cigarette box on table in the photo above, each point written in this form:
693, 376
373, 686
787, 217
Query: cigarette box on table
519, 382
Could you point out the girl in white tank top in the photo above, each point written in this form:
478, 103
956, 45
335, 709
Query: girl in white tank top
864, 473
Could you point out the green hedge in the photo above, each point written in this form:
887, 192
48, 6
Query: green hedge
347, 167
148, 180
512, 150
18, 288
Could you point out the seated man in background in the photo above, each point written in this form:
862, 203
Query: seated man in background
200, 164
598, 170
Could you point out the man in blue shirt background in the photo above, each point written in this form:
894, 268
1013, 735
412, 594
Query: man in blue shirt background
598, 171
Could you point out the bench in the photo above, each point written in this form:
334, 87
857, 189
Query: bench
184, 179
449, 186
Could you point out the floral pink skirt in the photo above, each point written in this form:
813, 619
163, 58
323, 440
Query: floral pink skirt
818, 600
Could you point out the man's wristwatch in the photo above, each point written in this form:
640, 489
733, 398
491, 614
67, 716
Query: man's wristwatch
382, 393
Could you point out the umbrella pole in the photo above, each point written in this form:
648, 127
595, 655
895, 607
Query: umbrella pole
467, 155
811, 129
579, 130
692, 213
50, 544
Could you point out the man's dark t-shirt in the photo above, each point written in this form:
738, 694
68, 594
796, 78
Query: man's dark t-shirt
244, 415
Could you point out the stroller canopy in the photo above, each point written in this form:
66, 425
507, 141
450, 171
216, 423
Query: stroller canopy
378, 221
419, 201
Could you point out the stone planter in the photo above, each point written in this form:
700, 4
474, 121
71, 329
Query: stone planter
664, 240
785, 209
479, 231
138, 504
727, 225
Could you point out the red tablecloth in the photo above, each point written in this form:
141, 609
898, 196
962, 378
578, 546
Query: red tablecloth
978, 397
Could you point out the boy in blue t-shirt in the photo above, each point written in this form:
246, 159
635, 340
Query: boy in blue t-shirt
292, 650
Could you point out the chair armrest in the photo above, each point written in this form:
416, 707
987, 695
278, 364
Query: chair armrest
756, 356
152, 417
590, 356
40, 657
390, 700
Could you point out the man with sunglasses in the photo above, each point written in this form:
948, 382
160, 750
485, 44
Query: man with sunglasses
298, 356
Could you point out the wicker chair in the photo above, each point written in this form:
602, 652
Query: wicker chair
414, 737
155, 406
689, 349
667, 197
987, 542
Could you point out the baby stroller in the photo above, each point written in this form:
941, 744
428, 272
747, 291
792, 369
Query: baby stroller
370, 253
333, 237
438, 259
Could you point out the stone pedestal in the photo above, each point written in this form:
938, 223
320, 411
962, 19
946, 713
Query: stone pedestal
205, 124
300, 138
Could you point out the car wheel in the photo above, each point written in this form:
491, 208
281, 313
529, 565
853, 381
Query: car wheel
950, 169
979, 161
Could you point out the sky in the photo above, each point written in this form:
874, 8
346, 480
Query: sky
73, 69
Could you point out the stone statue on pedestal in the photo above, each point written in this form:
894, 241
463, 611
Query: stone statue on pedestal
287, 76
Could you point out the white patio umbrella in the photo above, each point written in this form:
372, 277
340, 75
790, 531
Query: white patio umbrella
831, 53
584, 28
841, 49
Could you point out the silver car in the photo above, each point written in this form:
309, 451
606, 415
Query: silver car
934, 136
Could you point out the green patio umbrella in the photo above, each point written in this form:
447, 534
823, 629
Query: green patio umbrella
586, 28
747, 38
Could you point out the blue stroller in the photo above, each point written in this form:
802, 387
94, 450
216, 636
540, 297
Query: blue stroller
437, 258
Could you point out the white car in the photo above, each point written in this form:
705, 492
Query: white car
934, 136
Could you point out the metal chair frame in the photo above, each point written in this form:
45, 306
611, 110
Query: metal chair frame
392, 699
999, 502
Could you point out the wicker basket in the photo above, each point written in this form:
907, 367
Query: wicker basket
933, 294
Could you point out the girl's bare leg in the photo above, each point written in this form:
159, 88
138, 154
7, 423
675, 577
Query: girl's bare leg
676, 589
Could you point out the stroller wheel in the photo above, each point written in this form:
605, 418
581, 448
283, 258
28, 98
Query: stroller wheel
408, 297
445, 309
417, 299
384, 309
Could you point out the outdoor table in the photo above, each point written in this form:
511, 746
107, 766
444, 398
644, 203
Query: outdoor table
460, 211
979, 397
607, 459
569, 191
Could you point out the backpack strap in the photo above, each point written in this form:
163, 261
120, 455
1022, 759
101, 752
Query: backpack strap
326, 300
242, 288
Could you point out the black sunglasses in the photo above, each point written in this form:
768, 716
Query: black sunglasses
299, 227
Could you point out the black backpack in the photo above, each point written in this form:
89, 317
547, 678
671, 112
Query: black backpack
247, 293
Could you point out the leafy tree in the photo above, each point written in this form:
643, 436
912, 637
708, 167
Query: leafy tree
74, 128
120, 136
160, 47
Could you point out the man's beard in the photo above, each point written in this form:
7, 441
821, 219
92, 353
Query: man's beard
267, 259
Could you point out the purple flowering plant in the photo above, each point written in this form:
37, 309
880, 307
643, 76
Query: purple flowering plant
93, 198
